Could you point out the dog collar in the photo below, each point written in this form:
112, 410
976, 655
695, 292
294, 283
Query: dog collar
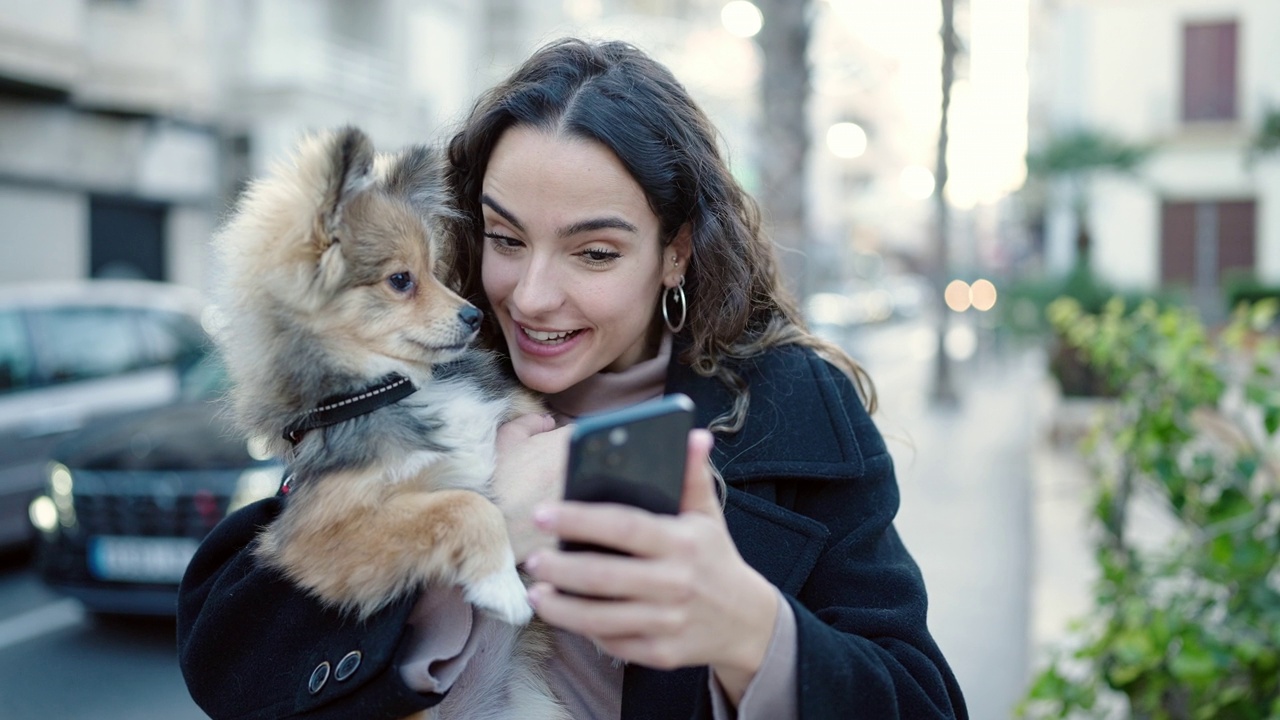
340, 408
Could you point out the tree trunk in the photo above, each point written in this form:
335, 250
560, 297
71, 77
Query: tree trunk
943, 391
784, 135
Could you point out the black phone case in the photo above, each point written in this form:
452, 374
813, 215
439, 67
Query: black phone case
633, 456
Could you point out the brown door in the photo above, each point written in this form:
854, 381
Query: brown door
1204, 243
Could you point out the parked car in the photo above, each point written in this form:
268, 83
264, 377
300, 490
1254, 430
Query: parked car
71, 351
128, 498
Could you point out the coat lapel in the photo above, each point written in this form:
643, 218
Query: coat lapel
781, 545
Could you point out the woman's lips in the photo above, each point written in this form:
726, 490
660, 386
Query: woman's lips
543, 343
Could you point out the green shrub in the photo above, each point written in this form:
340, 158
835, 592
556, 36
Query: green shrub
1188, 629
1025, 307
1249, 291
1025, 302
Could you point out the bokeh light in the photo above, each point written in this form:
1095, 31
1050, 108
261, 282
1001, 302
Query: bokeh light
847, 140
917, 182
741, 18
957, 295
960, 342
982, 294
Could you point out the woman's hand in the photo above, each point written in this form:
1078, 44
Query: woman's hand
684, 597
531, 459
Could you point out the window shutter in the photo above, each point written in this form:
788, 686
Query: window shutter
1178, 243
1236, 238
1209, 71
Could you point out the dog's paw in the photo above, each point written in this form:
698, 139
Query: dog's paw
501, 595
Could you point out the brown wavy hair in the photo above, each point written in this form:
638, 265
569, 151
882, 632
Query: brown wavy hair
615, 94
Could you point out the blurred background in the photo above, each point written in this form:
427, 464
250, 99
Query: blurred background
934, 172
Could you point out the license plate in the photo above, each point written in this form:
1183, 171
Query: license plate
140, 559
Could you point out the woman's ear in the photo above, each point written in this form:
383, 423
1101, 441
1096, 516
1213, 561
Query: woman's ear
675, 256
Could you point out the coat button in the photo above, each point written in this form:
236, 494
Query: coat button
319, 677
347, 666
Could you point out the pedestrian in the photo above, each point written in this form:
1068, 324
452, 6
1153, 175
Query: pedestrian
616, 259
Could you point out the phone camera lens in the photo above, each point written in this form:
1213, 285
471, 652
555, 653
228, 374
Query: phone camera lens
613, 459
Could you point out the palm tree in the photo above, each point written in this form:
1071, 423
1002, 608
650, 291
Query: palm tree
1267, 141
1075, 156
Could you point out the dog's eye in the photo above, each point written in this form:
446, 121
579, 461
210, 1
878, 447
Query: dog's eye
401, 281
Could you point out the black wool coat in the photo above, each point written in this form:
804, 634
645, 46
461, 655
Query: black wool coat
811, 500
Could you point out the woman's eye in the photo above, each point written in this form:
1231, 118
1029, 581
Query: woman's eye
502, 241
401, 281
599, 257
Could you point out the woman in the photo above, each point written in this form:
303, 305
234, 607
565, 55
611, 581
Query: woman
616, 259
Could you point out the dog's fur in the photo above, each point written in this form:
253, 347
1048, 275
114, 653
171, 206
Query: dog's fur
388, 502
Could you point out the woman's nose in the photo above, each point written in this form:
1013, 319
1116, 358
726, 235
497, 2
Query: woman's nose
537, 290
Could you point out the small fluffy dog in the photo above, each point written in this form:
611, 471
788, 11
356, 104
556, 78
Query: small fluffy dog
345, 349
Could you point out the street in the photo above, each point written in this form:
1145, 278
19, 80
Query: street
58, 662
966, 517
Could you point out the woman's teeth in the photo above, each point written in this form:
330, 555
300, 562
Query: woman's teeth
548, 337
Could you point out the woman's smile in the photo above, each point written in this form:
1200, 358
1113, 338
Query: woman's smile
546, 343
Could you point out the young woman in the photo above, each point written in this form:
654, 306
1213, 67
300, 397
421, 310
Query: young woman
616, 260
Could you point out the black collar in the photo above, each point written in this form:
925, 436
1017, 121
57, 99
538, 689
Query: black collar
340, 408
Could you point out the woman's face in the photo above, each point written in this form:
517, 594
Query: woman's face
572, 265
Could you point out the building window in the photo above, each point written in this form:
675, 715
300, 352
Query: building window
1209, 71
1204, 243
126, 238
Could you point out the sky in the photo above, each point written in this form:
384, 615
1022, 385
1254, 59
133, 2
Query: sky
989, 99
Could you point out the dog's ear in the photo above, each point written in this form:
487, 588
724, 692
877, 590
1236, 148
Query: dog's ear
416, 175
350, 172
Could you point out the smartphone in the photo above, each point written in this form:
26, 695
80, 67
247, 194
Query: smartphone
633, 456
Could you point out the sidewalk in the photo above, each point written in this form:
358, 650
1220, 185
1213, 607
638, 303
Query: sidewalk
995, 511
1062, 584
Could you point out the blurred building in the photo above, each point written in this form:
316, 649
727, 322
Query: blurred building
126, 126
108, 144
1194, 79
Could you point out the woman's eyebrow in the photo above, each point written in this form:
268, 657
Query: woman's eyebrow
601, 223
505, 213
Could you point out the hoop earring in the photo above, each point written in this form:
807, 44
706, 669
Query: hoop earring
676, 295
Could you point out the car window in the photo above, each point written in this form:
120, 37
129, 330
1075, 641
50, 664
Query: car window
15, 353
171, 337
205, 379
84, 343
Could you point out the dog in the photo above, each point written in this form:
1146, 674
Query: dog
345, 349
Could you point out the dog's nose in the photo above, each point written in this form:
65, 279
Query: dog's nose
471, 316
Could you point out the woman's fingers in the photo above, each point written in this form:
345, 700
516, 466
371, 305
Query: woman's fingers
528, 470
522, 428
682, 595
635, 531
606, 620
618, 527
611, 576
699, 486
